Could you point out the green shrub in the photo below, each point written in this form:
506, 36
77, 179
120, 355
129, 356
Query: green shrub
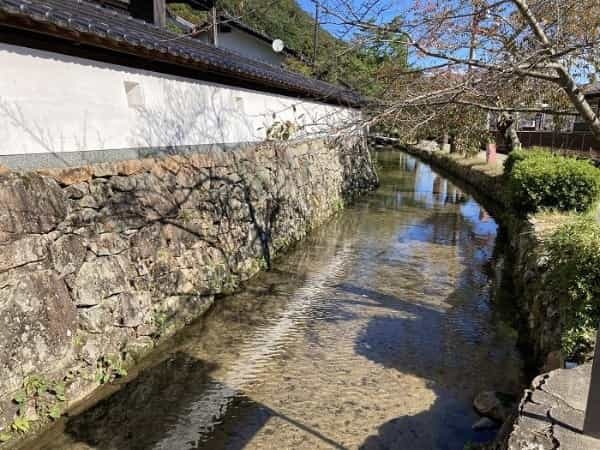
519, 155
185, 11
542, 180
574, 276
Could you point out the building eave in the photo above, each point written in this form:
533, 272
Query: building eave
136, 38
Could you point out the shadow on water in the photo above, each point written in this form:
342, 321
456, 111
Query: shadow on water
375, 333
447, 423
141, 419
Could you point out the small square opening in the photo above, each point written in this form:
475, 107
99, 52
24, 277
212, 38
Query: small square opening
135, 94
239, 104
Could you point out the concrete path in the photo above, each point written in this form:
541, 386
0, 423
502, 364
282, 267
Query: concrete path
551, 414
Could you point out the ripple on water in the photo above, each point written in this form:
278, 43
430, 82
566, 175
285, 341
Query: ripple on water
375, 333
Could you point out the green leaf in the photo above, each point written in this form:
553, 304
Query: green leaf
21, 425
59, 391
20, 397
5, 437
55, 412
35, 385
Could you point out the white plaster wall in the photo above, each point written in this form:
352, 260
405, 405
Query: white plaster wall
57, 103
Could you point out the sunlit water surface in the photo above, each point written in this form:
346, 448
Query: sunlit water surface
376, 332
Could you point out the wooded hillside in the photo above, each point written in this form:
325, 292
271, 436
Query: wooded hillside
338, 61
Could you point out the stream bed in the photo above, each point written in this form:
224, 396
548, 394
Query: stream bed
375, 332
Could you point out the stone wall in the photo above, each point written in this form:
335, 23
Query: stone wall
98, 263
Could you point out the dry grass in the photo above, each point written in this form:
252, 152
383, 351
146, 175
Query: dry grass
546, 222
478, 162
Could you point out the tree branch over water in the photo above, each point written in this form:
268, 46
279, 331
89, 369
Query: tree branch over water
511, 56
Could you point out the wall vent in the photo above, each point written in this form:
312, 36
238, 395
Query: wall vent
135, 94
239, 104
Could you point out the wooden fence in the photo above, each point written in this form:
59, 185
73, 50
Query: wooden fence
582, 144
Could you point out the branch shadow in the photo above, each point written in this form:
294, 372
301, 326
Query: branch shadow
148, 411
170, 114
447, 423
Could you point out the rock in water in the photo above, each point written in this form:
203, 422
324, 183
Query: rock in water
493, 405
485, 423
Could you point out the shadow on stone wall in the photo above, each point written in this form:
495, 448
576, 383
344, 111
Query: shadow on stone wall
102, 261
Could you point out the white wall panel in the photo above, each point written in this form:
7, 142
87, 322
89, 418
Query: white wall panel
57, 103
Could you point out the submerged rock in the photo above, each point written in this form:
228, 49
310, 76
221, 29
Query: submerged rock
494, 405
485, 423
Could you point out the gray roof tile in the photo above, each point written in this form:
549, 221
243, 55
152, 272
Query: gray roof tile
92, 20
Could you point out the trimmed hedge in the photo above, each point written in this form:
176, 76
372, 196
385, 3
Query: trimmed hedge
519, 155
574, 276
541, 180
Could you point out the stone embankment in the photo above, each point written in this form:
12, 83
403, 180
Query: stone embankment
99, 263
550, 415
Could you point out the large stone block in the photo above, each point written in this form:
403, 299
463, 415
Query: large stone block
69, 176
98, 279
37, 322
108, 244
132, 309
29, 204
24, 251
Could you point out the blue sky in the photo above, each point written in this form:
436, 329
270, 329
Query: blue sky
306, 5
393, 8
309, 6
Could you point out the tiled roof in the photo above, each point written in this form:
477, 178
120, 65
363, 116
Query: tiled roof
79, 20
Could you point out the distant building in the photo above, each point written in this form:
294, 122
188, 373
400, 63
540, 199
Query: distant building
592, 94
561, 132
545, 122
236, 36
233, 34
88, 81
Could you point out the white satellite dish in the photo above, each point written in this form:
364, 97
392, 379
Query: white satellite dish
278, 46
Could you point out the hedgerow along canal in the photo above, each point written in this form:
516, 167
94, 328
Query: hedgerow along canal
376, 332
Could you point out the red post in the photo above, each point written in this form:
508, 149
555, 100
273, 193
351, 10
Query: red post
490, 153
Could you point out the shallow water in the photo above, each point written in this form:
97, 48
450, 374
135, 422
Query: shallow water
376, 332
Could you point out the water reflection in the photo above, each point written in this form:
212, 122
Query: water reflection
375, 333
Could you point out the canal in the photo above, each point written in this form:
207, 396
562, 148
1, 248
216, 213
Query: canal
376, 332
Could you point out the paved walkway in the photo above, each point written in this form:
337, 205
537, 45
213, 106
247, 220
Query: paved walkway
551, 413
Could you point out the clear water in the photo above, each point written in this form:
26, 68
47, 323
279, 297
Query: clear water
376, 332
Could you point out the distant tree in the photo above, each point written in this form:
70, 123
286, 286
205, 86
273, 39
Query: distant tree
494, 55
354, 61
